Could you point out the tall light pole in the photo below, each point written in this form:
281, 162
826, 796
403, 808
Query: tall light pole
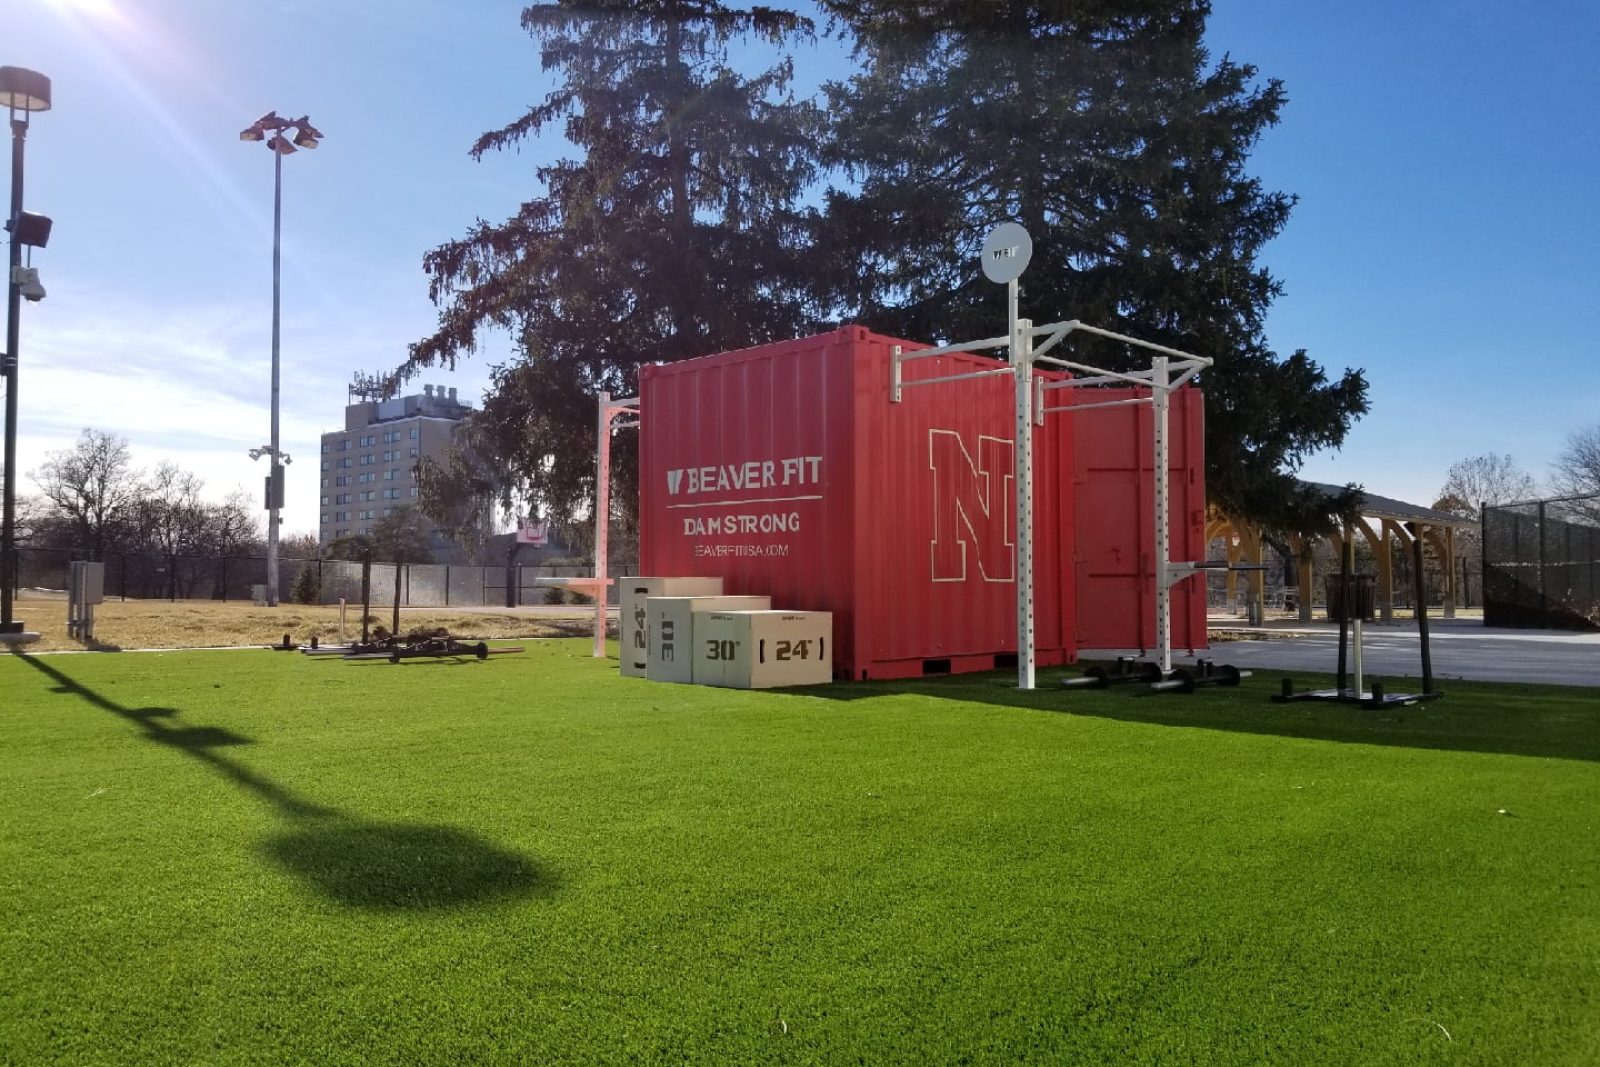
282, 136
22, 91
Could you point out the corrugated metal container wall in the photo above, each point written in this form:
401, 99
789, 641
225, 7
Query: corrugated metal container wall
1115, 517
787, 471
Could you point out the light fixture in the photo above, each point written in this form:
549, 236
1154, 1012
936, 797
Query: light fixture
24, 90
26, 279
281, 145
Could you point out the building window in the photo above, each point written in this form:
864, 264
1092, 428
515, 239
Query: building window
325, 448
387, 512
415, 433
413, 453
344, 444
324, 501
324, 518
324, 483
413, 490
344, 464
324, 464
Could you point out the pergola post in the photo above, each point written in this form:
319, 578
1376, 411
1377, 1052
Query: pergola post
1301, 546
1379, 540
1450, 572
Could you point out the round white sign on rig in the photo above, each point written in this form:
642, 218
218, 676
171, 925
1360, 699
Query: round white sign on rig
1006, 252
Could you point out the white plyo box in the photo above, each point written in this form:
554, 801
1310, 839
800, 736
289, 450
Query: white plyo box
672, 622
763, 649
633, 645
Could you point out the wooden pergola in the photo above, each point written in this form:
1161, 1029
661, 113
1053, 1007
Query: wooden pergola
1384, 522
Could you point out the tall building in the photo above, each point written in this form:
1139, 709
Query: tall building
369, 467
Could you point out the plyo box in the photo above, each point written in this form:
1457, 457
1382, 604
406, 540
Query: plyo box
763, 649
672, 629
634, 623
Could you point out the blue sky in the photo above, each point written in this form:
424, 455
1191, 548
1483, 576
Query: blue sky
1445, 155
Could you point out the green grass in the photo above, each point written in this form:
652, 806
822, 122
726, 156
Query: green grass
249, 857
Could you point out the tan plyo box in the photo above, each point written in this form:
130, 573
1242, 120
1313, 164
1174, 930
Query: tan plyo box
672, 620
763, 649
634, 624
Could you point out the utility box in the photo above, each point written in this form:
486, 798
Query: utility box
90, 581
86, 587
258, 595
633, 644
763, 649
672, 634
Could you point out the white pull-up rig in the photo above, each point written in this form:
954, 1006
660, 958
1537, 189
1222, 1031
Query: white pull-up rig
1005, 255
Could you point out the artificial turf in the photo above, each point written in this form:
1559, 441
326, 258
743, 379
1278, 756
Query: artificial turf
250, 857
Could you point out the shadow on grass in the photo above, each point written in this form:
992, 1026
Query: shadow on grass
356, 863
400, 867
1557, 722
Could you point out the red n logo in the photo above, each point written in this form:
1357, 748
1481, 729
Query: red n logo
970, 508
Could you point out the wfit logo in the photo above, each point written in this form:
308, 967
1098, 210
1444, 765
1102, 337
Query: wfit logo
970, 511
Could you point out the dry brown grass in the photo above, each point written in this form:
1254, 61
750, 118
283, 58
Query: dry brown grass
210, 623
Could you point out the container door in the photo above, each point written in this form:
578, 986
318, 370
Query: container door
1115, 514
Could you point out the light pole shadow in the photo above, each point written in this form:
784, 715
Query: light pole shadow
354, 862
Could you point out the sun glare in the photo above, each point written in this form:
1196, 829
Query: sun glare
94, 8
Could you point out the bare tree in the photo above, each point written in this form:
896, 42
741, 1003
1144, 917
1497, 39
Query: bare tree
232, 528
1486, 479
1577, 468
304, 545
1577, 471
92, 485
170, 517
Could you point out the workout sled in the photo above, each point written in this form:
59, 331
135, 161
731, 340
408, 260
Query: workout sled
1205, 673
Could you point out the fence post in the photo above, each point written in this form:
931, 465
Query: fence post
1544, 586
447, 585
320, 599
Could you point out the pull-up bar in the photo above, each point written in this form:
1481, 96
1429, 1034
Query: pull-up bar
1005, 255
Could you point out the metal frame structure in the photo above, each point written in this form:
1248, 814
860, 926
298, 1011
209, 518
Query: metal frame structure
610, 412
1169, 370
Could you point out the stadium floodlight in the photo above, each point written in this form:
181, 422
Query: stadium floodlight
281, 136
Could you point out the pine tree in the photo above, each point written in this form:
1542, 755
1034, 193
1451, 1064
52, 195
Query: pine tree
1103, 127
675, 232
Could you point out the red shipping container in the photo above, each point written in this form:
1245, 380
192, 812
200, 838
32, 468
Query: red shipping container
787, 471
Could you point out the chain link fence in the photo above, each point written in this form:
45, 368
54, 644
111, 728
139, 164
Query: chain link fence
144, 576
1541, 564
